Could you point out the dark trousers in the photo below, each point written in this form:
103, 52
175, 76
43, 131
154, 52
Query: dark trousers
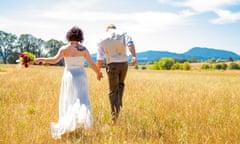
116, 75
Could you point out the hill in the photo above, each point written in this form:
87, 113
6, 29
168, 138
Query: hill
207, 53
199, 53
150, 56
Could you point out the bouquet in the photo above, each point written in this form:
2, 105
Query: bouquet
26, 58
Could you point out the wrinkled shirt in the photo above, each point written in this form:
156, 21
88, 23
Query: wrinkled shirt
108, 35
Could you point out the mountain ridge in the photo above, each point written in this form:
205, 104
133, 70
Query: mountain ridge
200, 53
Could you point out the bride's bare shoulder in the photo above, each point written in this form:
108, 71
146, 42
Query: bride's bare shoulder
65, 47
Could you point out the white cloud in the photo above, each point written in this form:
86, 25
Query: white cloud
208, 5
216, 6
75, 5
54, 18
171, 31
53, 23
200, 5
226, 17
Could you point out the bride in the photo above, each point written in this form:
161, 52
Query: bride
74, 104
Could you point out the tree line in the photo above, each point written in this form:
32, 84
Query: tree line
168, 63
11, 46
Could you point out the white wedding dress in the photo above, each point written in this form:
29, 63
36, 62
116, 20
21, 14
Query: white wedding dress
74, 104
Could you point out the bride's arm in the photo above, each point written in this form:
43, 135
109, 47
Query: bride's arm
51, 60
92, 64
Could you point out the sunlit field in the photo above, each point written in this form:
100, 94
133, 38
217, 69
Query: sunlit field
168, 107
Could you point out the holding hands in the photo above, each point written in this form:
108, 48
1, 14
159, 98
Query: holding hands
99, 76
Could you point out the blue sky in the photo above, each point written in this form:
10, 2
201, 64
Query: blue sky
165, 25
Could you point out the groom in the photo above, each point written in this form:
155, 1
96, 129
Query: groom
112, 46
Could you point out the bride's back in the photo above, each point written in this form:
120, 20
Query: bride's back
74, 50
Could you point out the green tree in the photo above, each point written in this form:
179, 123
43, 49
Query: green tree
136, 67
220, 66
52, 47
176, 66
13, 57
39, 47
186, 66
205, 66
233, 66
166, 63
217, 66
154, 66
224, 66
7, 45
144, 67
27, 42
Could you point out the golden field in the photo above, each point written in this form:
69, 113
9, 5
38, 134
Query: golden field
159, 107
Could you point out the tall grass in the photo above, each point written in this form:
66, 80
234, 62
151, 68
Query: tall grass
158, 107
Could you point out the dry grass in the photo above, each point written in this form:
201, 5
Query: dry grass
159, 107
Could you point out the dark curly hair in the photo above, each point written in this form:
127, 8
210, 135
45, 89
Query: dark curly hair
75, 34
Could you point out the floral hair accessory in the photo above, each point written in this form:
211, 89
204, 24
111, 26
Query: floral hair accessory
26, 58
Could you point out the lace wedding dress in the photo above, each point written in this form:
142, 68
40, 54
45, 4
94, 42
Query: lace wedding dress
74, 104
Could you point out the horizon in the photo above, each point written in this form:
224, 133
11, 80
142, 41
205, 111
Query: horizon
181, 53
161, 25
177, 52
193, 48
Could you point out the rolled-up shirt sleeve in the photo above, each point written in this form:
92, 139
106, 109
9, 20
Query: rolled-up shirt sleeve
100, 53
128, 40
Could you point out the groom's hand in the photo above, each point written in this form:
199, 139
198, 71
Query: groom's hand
99, 76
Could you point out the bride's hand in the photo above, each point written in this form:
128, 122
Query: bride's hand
37, 61
99, 76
